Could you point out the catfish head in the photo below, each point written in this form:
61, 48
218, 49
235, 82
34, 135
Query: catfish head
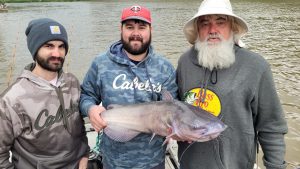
192, 123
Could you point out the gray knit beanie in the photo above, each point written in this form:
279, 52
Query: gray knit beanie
40, 31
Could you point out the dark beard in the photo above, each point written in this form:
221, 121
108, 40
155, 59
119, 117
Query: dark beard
131, 50
45, 63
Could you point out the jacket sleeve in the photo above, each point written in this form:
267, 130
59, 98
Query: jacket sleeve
84, 133
178, 79
270, 125
170, 85
7, 136
90, 92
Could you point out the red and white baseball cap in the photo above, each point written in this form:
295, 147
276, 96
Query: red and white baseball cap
136, 12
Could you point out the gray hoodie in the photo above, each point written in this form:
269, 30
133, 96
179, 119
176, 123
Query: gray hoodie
244, 97
41, 124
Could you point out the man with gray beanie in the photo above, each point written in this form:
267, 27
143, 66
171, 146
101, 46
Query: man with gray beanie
40, 121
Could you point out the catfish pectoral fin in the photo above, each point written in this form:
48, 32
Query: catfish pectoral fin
120, 134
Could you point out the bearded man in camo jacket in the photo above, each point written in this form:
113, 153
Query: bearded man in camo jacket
40, 121
129, 72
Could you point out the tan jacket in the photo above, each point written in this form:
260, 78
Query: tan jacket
41, 124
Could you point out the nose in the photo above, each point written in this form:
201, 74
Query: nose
134, 33
212, 29
56, 52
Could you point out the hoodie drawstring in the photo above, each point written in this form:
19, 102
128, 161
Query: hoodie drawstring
63, 111
213, 77
134, 89
153, 96
203, 87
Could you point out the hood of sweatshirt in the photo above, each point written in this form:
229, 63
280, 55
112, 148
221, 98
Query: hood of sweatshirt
42, 83
117, 54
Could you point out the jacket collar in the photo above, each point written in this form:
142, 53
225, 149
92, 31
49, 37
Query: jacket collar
116, 54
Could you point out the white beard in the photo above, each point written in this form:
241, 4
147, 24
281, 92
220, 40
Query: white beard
215, 55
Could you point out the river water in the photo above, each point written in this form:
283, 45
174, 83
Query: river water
93, 26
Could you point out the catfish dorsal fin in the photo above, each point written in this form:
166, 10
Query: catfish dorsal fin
112, 106
166, 95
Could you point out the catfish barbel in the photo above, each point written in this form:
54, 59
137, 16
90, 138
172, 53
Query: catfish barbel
187, 122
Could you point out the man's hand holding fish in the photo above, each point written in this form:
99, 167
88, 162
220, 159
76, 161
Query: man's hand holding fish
97, 122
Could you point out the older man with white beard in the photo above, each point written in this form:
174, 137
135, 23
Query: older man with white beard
219, 75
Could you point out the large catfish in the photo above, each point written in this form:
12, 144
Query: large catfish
187, 122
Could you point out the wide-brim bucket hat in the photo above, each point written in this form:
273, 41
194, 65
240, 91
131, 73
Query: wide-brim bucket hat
211, 7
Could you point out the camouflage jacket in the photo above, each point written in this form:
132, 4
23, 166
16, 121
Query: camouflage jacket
40, 123
114, 79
